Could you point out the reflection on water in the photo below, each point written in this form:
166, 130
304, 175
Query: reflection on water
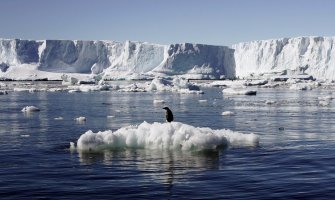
162, 166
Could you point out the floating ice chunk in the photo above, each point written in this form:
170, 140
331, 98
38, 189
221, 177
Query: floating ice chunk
25, 135
110, 116
202, 100
230, 91
179, 85
256, 82
270, 102
159, 101
324, 103
55, 89
21, 89
174, 135
159, 84
132, 88
58, 118
227, 113
74, 91
293, 81
80, 119
326, 98
300, 86
67, 80
30, 109
228, 83
3, 92
72, 146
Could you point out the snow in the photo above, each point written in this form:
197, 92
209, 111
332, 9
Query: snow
174, 135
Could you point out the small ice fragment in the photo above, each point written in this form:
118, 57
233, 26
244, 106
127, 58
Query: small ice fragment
110, 116
3, 92
157, 101
269, 102
228, 113
72, 146
80, 119
324, 103
25, 135
202, 100
58, 118
30, 109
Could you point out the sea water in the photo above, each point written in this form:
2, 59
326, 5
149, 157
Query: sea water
294, 158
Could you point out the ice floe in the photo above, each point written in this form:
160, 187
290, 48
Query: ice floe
30, 109
174, 135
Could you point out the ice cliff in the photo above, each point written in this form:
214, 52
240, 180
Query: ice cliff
114, 60
310, 55
25, 59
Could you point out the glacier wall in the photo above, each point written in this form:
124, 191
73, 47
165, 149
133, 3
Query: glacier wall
114, 60
117, 59
311, 55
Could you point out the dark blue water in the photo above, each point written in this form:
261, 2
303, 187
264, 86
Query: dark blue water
295, 158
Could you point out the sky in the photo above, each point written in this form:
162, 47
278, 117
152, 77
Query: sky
216, 22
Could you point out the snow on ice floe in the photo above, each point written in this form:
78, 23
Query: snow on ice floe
30, 109
173, 135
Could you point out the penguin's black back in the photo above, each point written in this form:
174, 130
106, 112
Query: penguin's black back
168, 114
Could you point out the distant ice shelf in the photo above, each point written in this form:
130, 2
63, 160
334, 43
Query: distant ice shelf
312, 57
40, 59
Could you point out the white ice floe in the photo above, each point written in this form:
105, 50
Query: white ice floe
74, 91
324, 103
89, 88
270, 102
158, 101
80, 119
30, 109
300, 86
227, 113
58, 118
173, 135
256, 82
3, 92
231, 91
178, 85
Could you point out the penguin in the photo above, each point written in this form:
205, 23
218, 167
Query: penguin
168, 114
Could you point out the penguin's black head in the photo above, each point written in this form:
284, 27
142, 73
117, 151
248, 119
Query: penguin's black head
166, 108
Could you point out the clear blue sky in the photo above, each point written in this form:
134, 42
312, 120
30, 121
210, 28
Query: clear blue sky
219, 22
